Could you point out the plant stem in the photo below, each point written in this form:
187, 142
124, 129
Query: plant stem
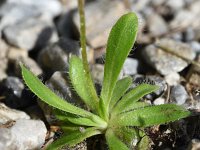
81, 4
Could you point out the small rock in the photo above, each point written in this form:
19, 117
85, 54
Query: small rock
55, 56
166, 63
15, 54
29, 134
12, 88
7, 114
99, 24
98, 73
6, 140
193, 75
195, 46
172, 78
189, 34
3, 59
157, 25
175, 5
159, 101
19, 11
180, 22
178, 94
194, 145
28, 34
139, 5
28, 62
130, 66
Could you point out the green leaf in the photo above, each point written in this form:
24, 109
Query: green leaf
46, 95
120, 42
80, 83
133, 106
114, 142
152, 115
129, 135
73, 138
120, 88
128, 101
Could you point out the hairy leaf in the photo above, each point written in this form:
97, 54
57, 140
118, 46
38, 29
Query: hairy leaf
120, 88
73, 138
120, 42
128, 100
80, 83
114, 142
49, 97
152, 115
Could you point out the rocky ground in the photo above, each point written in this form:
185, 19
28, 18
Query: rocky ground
43, 34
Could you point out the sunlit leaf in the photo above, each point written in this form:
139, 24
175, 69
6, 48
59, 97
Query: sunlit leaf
120, 88
152, 115
128, 100
80, 83
120, 42
49, 97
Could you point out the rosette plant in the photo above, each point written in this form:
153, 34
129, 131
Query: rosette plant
117, 112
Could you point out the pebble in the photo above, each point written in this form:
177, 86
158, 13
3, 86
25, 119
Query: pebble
98, 73
178, 94
7, 114
130, 66
6, 140
172, 78
180, 22
58, 52
28, 34
194, 145
3, 59
156, 24
159, 101
166, 63
195, 46
24, 134
20, 11
30, 63
98, 27
175, 5
15, 54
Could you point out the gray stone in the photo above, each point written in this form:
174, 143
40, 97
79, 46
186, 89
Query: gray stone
55, 56
99, 25
130, 66
172, 78
166, 63
24, 134
175, 5
159, 101
178, 94
22, 10
3, 59
7, 114
28, 34
28, 62
29, 134
98, 73
195, 46
139, 5
189, 34
180, 22
6, 140
156, 24
15, 54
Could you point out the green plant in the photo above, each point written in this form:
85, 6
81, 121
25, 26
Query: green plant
116, 113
